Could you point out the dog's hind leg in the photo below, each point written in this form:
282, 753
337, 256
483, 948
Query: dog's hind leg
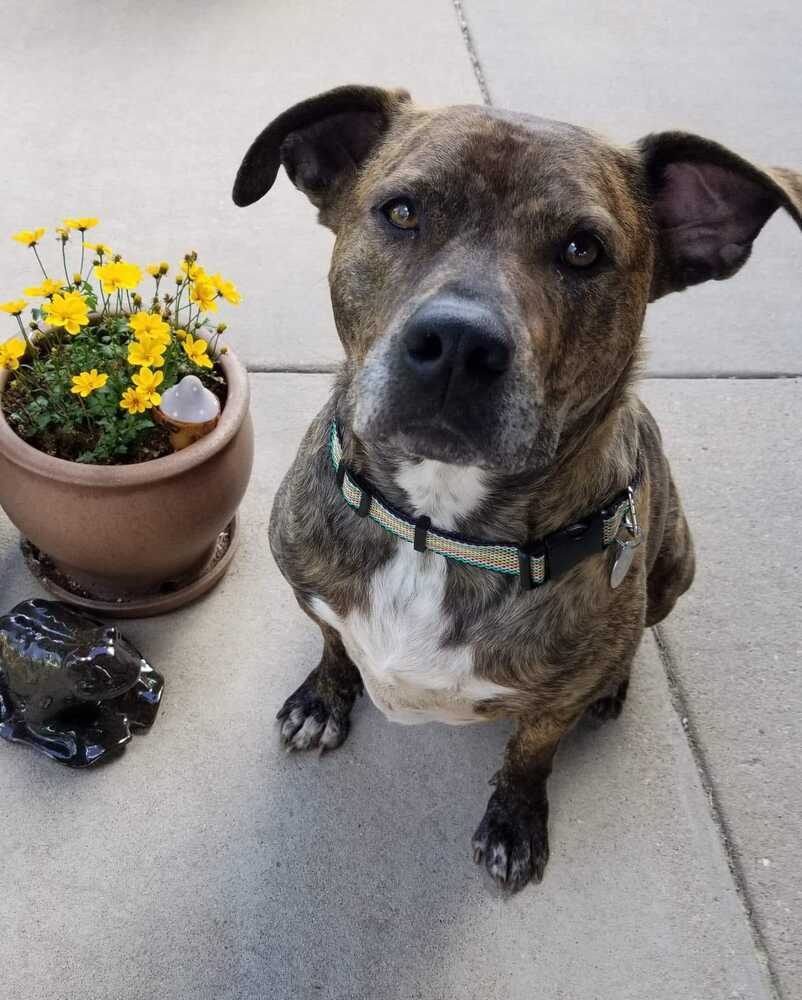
316, 715
611, 705
673, 569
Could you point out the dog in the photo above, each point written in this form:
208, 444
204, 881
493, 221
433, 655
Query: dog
481, 520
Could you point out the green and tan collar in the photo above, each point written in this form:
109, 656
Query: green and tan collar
535, 563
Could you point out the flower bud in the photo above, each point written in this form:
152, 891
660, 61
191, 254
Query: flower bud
221, 327
224, 350
136, 299
164, 267
77, 278
117, 258
179, 279
180, 334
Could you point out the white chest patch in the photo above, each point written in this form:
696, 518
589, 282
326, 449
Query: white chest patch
397, 642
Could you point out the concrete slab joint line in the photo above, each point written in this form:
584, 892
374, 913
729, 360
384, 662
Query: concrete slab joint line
331, 368
680, 704
472, 53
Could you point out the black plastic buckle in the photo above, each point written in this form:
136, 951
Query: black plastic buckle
567, 547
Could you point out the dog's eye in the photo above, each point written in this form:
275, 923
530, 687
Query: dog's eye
401, 213
583, 250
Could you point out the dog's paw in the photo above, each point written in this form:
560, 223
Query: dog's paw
610, 707
311, 720
513, 843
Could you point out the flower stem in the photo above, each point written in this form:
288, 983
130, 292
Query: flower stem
177, 302
81, 268
39, 259
24, 333
64, 258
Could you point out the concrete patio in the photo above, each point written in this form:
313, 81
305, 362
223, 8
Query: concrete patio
207, 863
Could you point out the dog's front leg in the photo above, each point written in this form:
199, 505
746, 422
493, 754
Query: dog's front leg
316, 715
512, 838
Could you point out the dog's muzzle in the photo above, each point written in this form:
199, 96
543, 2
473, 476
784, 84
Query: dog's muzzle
451, 367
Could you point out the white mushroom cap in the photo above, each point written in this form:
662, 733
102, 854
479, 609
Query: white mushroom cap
190, 402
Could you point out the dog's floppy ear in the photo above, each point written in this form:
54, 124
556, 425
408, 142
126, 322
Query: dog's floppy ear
321, 142
709, 205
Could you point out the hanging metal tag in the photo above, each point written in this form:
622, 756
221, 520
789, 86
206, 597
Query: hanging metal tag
626, 553
626, 547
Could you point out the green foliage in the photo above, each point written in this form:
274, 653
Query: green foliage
41, 407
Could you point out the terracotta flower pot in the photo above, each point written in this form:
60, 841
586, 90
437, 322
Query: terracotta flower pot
133, 539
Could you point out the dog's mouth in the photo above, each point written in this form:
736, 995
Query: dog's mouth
440, 441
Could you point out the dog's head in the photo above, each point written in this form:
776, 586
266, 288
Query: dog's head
491, 270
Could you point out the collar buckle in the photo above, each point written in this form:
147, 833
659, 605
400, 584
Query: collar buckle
567, 547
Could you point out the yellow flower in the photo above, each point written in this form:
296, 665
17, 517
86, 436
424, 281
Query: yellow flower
63, 233
69, 310
30, 237
86, 383
135, 401
82, 224
14, 308
150, 325
48, 287
153, 270
196, 350
11, 352
192, 271
203, 294
100, 249
118, 275
147, 382
146, 353
227, 289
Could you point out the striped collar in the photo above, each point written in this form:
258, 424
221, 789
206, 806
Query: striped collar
534, 563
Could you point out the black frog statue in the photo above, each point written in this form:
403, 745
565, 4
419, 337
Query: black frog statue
71, 686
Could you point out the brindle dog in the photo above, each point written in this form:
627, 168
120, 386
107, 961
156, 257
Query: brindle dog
489, 280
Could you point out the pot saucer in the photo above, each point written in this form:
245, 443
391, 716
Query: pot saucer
171, 597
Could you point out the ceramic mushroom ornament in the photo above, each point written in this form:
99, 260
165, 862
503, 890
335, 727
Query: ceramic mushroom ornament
189, 411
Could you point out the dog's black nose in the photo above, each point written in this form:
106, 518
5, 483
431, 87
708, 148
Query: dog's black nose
456, 342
